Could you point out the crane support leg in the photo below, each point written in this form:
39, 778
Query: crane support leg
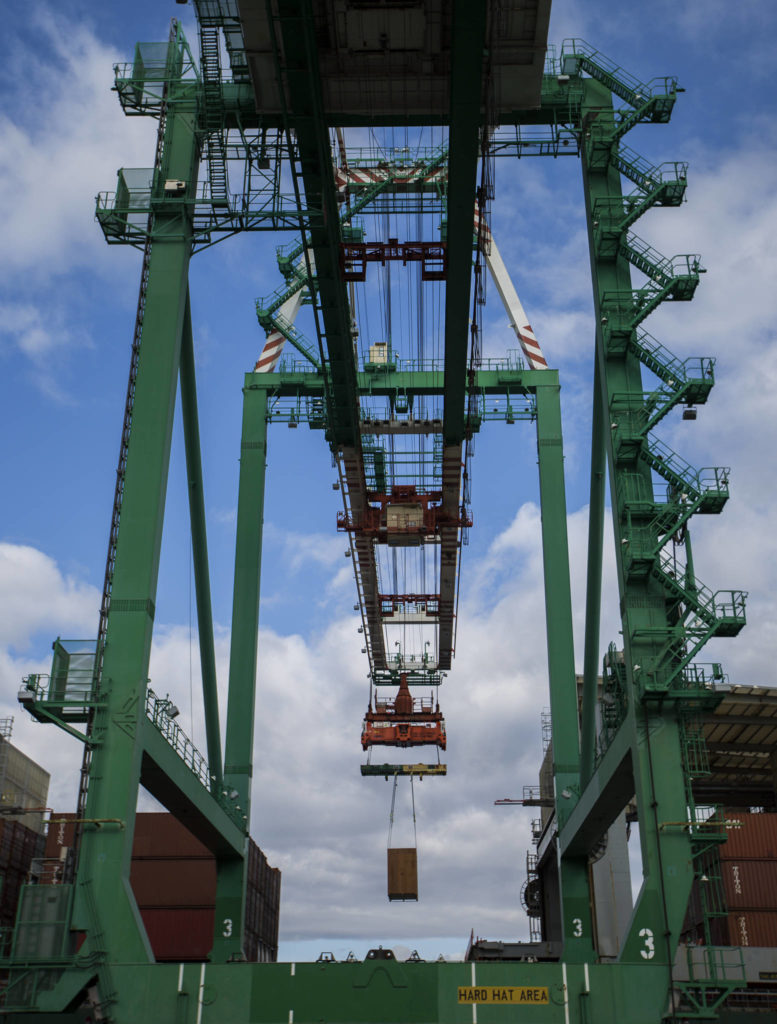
191, 435
230, 895
118, 726
644, 747
576, 923
593, 596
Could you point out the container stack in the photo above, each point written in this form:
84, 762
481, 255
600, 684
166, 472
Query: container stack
19, 846
748, 870
748, 861
263, 897
173, 877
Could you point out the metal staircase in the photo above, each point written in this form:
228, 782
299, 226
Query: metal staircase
695, 376
213, 115
577, 56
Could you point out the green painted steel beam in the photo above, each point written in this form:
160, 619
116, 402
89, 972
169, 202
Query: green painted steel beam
191, 434
239, 742
299, 80
560, 104
558, 599
170, 781
608, 791
576, 921
491, 382
389, 770
593, 596
648, 621
115, 926
468, 34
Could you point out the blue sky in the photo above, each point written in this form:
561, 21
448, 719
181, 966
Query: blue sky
66, 314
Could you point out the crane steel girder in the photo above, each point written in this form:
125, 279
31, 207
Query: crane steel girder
645, 741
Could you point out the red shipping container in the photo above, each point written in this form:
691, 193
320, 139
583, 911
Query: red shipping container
60, 834
755, 837
174, 883
750, 884
752, 928
179, 934
173, 876
162, 835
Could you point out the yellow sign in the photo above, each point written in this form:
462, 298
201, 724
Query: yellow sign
510, 995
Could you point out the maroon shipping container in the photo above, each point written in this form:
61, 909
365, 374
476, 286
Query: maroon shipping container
167, 882
750, 884
60, 833
752, 928
19, 846
11, 880
173, 876
179, 934
755, 837
161, 835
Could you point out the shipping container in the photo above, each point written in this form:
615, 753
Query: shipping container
754, 837
60, 834
402, 873
751, 928
19, 847
179, 934
750, 884
161, 835
173, 877
168, 882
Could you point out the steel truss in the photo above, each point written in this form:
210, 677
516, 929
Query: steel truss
638, 738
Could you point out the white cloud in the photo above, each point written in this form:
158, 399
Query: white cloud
57, 155
316, 818
323, 824
36, 596
60, 143
39, 602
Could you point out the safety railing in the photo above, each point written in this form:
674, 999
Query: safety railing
161, 713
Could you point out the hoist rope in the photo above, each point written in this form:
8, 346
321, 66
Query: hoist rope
412, 798
191, 673
391, 813
393, 805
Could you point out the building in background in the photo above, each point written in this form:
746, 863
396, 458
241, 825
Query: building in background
23, 784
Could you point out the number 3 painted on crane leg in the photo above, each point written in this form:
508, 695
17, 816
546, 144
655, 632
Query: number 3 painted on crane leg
227, 930
650, 949
577, 927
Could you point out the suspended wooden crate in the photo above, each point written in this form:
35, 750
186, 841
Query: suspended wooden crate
402, 873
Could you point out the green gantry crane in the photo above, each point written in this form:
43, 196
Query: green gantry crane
272, 82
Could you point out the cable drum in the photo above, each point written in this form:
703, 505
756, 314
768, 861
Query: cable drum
531, 897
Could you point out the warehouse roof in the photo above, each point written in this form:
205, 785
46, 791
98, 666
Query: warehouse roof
741, 735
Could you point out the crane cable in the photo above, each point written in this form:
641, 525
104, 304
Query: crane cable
393, 804
412, 798
391, 813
